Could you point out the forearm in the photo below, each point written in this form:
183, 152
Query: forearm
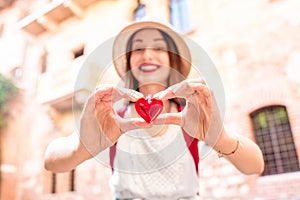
247, 156
64, 154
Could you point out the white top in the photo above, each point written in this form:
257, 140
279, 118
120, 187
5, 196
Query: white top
155, 168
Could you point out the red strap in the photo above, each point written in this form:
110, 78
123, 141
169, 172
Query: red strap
112, 154
112, 149
192, 144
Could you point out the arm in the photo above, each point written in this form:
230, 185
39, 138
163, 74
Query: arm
99, 129
65, 153
242, 152
201, 119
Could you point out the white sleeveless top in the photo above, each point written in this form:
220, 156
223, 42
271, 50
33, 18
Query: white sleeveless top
154, 168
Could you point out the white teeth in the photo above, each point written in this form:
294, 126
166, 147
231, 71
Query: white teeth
149, 67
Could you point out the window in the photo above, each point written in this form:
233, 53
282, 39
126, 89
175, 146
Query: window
71, 181
17, 73
139, 12
5, 4
53, 183
78, 52
179, 15
43, 62
1, 29
274, 136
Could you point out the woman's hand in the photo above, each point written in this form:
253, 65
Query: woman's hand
100, 126
200, 117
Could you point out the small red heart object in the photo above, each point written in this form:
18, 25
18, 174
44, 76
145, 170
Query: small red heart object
149, 108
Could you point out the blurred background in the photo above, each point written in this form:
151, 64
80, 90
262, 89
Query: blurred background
255, 46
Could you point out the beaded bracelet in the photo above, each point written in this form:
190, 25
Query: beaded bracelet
221, 154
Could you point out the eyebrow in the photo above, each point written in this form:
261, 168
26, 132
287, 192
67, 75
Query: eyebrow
155, 39
158, 39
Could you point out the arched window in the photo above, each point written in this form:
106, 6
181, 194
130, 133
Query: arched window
179, 15
139, 11
274, 136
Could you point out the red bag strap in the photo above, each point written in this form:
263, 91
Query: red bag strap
192, 144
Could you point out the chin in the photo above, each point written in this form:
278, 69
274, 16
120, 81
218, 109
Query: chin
153, 82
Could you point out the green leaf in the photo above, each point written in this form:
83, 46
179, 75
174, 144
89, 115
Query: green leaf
7, 92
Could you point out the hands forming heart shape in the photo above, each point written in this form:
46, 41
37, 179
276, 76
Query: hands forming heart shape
196, 117
149, 108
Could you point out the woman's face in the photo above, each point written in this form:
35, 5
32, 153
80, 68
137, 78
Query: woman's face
149, 59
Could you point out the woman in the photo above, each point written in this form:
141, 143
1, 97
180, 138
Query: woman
152, 160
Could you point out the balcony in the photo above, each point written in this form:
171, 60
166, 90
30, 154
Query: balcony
58, 90
49, 17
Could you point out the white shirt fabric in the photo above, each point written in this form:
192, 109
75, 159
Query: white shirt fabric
155, 168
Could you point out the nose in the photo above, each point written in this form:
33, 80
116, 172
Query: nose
148, 53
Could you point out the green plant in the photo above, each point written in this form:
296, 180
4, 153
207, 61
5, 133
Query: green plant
7, 92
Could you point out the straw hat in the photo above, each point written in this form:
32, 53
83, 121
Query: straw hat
120, 43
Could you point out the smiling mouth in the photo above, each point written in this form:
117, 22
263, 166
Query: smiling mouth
149, 68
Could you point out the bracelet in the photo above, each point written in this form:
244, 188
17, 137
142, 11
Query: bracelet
221, 154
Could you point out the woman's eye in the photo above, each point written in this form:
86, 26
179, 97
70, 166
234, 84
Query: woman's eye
141, 49
138, 49
160, 49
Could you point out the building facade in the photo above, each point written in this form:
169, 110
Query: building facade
45, 44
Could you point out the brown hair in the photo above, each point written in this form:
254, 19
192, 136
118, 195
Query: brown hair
174, 58
176, 63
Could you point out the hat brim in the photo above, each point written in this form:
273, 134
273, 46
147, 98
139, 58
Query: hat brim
120, 43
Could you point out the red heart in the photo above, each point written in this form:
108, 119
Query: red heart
149, 108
